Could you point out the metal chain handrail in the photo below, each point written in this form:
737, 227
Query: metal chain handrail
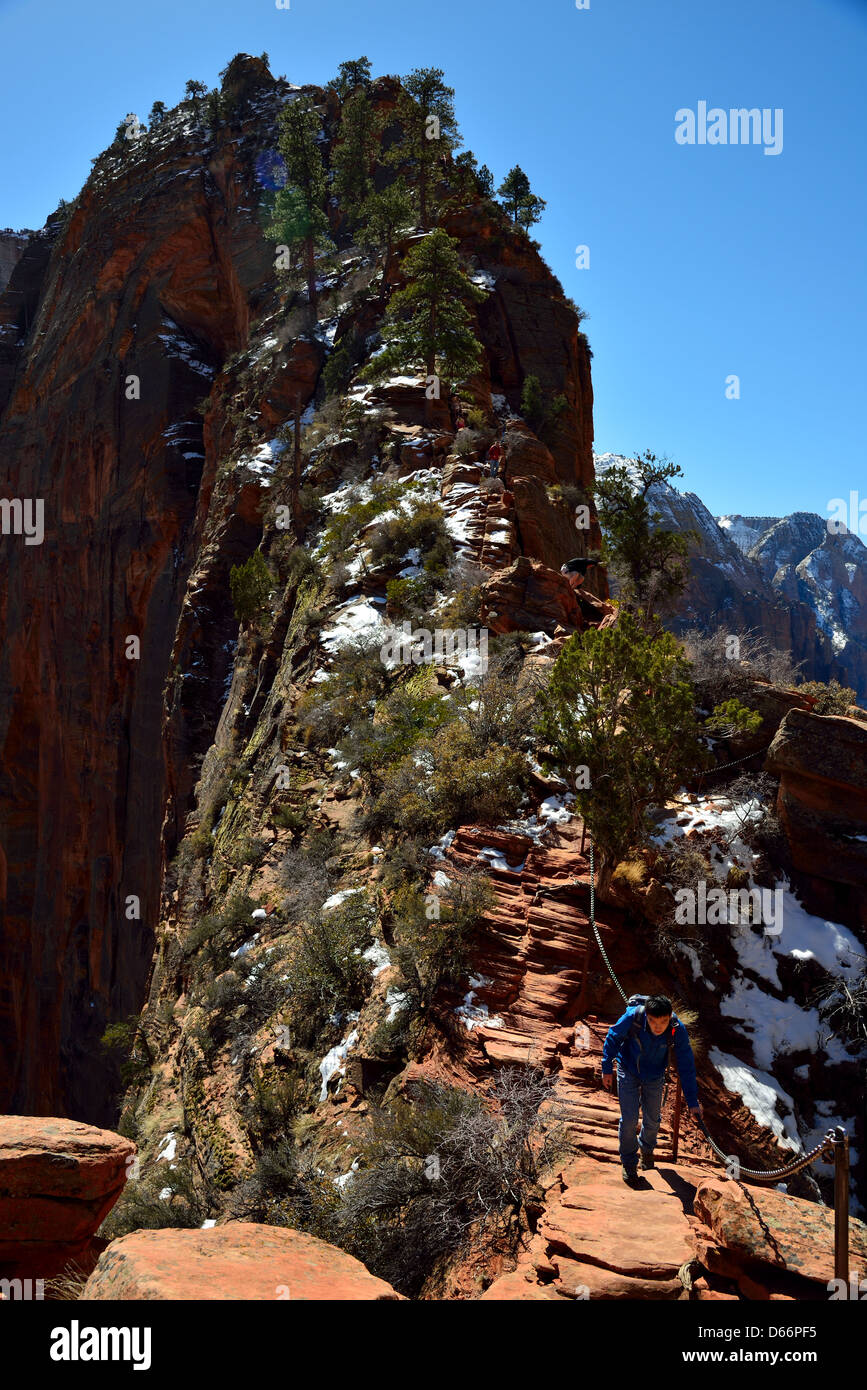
602, 950
721, 767
769, 1175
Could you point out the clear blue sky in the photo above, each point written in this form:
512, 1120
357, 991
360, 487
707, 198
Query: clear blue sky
704, 261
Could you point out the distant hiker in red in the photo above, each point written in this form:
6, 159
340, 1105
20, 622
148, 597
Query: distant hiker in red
495, 455
460, 423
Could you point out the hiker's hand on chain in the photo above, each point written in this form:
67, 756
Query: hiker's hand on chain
608, 1081
695, 1111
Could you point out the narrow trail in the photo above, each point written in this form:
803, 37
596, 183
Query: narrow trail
596, 1234
531, 965
487, 523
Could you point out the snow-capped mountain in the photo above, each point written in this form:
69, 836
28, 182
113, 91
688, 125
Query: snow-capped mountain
800, 585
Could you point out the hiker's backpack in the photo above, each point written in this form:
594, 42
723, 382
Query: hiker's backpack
640, 1001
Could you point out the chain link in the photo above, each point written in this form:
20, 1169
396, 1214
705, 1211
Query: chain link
722, 767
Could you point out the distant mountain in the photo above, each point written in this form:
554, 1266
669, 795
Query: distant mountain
788, 577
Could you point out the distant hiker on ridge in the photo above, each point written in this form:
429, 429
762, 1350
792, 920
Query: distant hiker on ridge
495, 455
641, 1042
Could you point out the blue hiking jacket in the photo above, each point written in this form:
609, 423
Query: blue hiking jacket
645, 1056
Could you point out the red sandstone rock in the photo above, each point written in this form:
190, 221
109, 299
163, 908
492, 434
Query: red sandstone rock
58, 1180
821, 761
762, 1232
529, 596
599, 1220
239, 1261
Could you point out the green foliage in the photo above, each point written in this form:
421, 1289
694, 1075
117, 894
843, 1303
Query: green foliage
448, 779
222, 997
383, 216
286, 1190
522, 205
325, 966
126, 1041
346, 525
731, 717
195, 91
141, 1208
338, 370
351, 74
220, 931
435, 930
157, 115
619, 710
427, 324
216, 110
250, 585
536, 410
649, 563
275, 1099
288, 818
830, 698
299, 208
354, 155
471, 182
247, 850
409, 597
424, 529
426, 115
412, 712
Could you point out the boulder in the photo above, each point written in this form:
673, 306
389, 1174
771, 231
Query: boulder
759, 1236
530, 597
58, 1180
238, 1261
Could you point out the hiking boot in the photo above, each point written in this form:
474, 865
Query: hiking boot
630, 1178
647, 1159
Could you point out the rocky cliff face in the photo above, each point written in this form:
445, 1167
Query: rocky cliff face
148, 357
12, 245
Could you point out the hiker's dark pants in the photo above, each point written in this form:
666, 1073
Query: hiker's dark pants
634, 1093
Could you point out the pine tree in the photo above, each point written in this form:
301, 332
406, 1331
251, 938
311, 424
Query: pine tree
157, 115
352, 74
536, 410
427, 323
619, 721
299, 208
486, 182
384, 215
522, 204
467, 176
426, 114
214, 109
195, 91
250, 585
354, 155
650, 564
513, 190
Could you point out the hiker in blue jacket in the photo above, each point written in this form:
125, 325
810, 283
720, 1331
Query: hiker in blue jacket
639, 1043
